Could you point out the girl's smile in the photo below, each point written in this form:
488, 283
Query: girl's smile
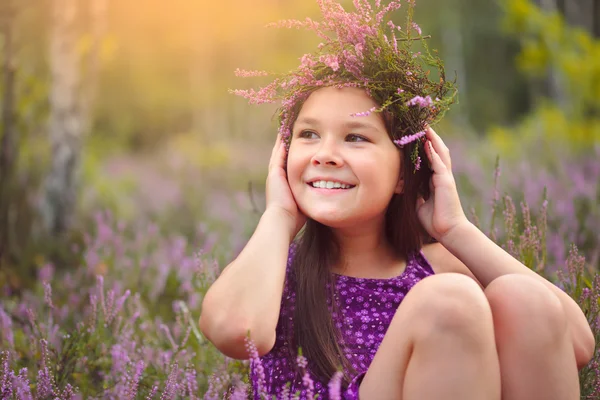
342, 170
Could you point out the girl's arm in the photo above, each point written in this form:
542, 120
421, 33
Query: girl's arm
487, 261
443, 218
247, 294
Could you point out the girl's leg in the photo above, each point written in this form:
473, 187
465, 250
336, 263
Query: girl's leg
537, 360
440, 345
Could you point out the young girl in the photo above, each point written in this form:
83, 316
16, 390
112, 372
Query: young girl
365, 290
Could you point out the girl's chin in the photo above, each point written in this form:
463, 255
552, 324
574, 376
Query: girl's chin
331, 219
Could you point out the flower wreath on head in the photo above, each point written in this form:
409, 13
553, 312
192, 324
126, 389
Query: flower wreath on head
360, 49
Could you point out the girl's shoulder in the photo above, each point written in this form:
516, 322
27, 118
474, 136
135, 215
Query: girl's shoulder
443, 261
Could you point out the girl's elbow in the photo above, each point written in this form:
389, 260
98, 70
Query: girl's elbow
230, 338
585, 347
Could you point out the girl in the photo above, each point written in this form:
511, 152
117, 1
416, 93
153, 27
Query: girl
365, 290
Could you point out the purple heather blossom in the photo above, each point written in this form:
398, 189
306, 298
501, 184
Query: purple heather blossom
420, 101
48, 295
44, 378
135, 380
416, 27
331, 61
171, 385
306, 379
403, 141
6, 330
418, 163
256, 366
364, 113
246, 73
335, 386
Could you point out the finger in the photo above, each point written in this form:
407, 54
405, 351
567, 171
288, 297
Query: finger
275, 150
439, 146
436, 162
420, 202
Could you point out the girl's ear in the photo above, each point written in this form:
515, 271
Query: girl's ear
400, 185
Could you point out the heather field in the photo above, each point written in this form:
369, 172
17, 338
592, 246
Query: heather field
124, 323
171, 176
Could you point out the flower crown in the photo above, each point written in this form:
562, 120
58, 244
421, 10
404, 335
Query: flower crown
360, 49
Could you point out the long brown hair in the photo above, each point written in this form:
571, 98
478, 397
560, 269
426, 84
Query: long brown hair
317, 250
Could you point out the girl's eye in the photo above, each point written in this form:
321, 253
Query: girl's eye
353, 138
304, 134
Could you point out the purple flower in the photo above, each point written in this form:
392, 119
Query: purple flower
409, 139
364, 113
420, 101
335, 386
256, 368
416, 28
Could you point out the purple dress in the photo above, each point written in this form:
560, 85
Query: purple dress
367, 306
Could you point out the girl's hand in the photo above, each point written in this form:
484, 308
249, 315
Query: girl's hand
442, 212
278, 192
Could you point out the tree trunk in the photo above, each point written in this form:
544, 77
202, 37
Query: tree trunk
596, 12
66, 123
8, 146
580, 13
553, 86
453, 41
98, 10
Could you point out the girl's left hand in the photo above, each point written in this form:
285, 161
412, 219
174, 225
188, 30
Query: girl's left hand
442, 212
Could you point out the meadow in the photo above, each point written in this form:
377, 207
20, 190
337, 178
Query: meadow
110, 308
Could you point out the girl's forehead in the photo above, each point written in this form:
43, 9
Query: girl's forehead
331, 105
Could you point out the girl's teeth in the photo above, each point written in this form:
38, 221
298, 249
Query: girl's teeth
330, 185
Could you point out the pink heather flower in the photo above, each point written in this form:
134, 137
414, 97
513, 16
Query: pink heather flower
135, 380
46, 273
256, 366
409, 139
48, 295
420, 101
400, 91
392, 6
331, 61
307, 61
152, 393
5, 376
22, 386
418, 163
6, 330
302, 362
364, 113
416, 28
408, 73
246, 73
171, 385
377, 51
306, 379
44, 378
335, 386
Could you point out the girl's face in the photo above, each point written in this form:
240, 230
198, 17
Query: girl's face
328, 145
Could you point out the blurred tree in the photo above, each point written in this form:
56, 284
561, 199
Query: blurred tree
8, 146
72, 88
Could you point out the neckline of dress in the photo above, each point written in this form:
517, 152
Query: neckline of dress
409, 265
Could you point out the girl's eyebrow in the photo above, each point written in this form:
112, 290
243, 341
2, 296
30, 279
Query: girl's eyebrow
347, 124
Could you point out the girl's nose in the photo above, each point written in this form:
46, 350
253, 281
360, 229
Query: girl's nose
327, 154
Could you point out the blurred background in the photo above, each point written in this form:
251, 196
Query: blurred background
120, 109
129, 176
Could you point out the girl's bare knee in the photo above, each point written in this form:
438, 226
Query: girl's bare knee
449, 303
521, 303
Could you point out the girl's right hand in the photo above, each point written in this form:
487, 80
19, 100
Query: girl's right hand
278, 192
